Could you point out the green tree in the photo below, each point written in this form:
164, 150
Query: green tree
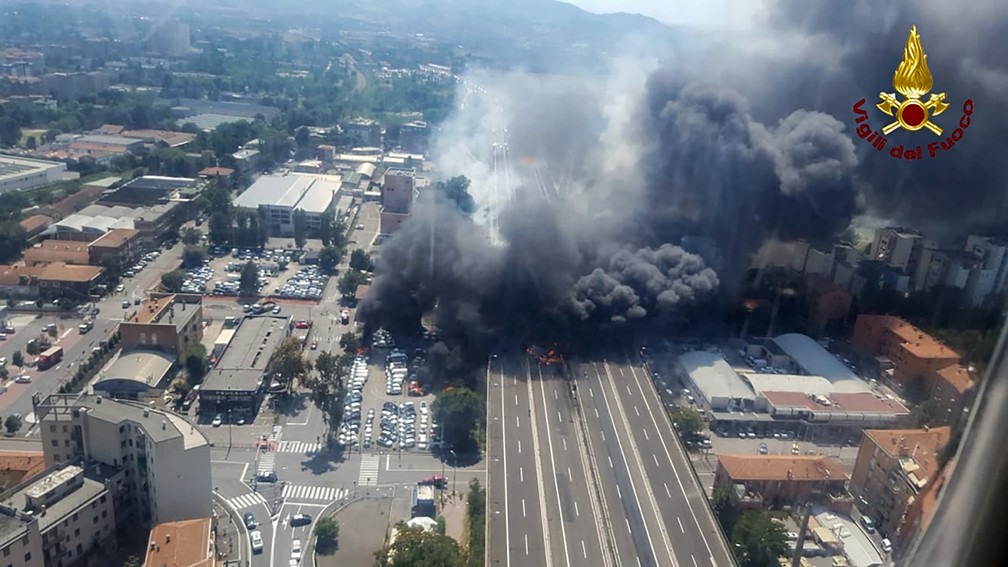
326, 230
359, 260
350, 342
759, 540
414, 546
219, 227
30, 143
172, 281
248, 284
327, 387
726, 508
288, 363
350, 280
191, 236
194, 358
924, 413
193, 256
133, 561
300, 229
460, 412
326, 536
456, 189
12, 424
329, 258
13, 239
688, 421
17, 358
476, 516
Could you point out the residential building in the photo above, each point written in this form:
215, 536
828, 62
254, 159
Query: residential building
914, 354
777, 480
364, 131
919, 514
278, 197
66, 86
66, 251
247, 160
16, 466
953, 392
944, 267
187, 543
828, 303
66, 280
879, 275
164, 322
119, 247
20, 173
216, 173
413, 137
892, 467
237, 383
989, 279
898, 247
163, 455
398, 194
68, 511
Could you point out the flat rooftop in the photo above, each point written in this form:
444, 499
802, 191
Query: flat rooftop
11, 166
781, 467
187, 543
158, 424
170, 310
254, 341
145, 368
714, 377
817, 361
852, 404
292, 191
69, 503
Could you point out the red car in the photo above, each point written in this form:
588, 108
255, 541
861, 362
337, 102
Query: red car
302, 325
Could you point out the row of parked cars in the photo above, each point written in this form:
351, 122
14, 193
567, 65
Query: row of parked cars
350, 428
141, 264
196, 278
399, 425
308, 283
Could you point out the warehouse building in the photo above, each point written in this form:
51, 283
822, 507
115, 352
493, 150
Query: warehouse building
18, 173
277, 197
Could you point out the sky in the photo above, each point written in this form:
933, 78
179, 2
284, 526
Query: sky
701, 14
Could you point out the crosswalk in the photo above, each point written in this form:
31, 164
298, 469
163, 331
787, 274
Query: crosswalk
267, 463
368, 470
313, 493
304, 448
246, 500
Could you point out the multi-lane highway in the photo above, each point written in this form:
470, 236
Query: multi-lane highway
621, 404
542, 509
585, 468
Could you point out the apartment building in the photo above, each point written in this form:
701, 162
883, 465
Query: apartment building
915, 355
168, 322
780, 479
188, 543
64, 516
162, 455
892, 467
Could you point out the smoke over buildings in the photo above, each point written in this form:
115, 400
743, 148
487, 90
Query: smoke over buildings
587, 187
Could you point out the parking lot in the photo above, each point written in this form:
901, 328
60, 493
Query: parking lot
403, 424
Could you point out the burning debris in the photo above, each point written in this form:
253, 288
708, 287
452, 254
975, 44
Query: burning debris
546, 357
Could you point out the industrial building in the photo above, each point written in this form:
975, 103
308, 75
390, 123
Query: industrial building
163, 455
93, 221
136, 375
18, 173
237, 384
277, 197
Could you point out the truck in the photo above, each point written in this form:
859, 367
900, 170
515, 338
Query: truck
50, 357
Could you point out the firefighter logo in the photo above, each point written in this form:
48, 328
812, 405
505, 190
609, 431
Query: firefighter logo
913, 80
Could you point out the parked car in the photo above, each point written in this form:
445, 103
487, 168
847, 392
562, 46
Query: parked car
257, 541
250, 521
296, 549
217, 421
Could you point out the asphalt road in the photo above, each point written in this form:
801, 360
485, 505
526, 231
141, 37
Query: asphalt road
676, 514
541, 494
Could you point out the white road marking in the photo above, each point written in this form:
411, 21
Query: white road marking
559, 417
636, 411
576, 513
555, 397
516, 399
564, 439
694, 561
584, 550
646, 436
596, 412
627, 387
602, 433
631, 533
591, 392
655, 457
610, 461
517, 423
526, 544
569, 477
680, 524
519, 446
521, 476
524, 515
619, 492
667, 490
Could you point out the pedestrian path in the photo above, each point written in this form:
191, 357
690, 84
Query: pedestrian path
303, 448
246, 500
369, 466
313, 493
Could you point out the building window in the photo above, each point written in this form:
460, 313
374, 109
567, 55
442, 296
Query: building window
104, 514
27, 557
55, 442
52, 429
77, 532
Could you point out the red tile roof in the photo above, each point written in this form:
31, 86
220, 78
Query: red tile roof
781, 467
922, 445
187, 543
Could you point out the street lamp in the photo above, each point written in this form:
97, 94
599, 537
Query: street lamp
454, 468
229, 429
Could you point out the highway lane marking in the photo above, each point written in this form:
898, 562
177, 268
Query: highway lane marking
524, 515
569, 477
602, 433
559, 418
636, 411
596, 413
564, 439
556, 481
631, 533
619, 492
507, 521
555, 397
521, 474
675, 472
681, 529
576, 513
526, 544
629, 393
694, 561
517, 423
667, 490
646, 436
519, 446
584, 550
655, 457
539, 474
591, 392
610, 460
516, 399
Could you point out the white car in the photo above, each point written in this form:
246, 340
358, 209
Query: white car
23, 379
257, 541
296, 550
217, 421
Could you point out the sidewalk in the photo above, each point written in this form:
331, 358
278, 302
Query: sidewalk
228, 539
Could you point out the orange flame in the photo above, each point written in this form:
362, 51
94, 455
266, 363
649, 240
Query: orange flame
550, 357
